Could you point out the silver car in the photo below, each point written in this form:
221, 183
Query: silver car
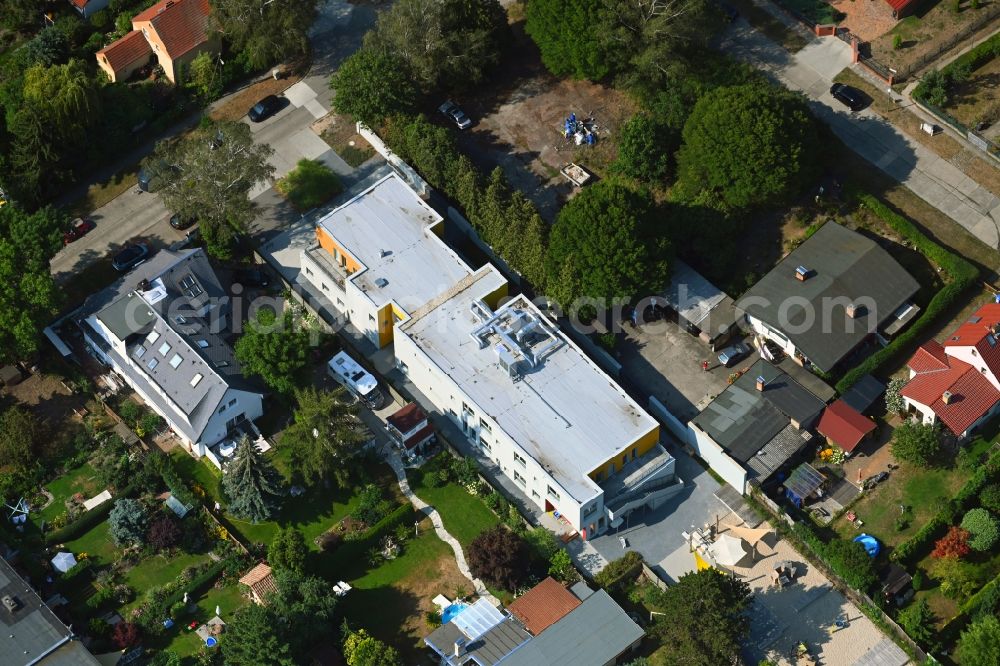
733, 353
456, 114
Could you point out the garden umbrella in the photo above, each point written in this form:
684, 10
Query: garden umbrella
728, 550
64, 562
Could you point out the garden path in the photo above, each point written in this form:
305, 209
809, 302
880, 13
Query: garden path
404, 485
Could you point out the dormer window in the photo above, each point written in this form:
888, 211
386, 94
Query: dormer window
190, 286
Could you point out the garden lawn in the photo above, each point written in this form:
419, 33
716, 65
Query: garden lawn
464, 514
96, 543
922, 490
391, 601
81, 480
158, 570
184, 643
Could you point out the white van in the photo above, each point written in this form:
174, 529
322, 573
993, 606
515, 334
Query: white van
349, 373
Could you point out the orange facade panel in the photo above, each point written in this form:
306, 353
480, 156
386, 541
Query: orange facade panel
341, 256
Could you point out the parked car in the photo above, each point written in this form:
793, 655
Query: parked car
130, 257
265, 108
180, 223
456, 114
80, 227
251, 277
733, 353
850, 97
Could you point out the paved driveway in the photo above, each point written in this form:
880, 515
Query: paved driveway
930, 177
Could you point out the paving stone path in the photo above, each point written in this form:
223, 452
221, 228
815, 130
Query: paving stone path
404, 485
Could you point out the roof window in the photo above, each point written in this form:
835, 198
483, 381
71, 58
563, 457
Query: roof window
164, 349
153, 337
203, 344
153, 362
196, 379
190, 286
175, 361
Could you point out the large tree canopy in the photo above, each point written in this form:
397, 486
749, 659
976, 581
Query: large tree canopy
607, 244
251, 483
274, 348
265, 31
748, 146
980, 643
371, 85
209, 175
704, 621
324, 436
569, 35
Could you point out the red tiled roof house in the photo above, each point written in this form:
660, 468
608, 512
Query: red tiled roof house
844, 426
173, 32
88, 8
958, 383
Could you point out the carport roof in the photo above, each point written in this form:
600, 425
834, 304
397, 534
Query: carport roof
690, 294
863, 395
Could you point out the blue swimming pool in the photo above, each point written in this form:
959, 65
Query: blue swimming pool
452, 611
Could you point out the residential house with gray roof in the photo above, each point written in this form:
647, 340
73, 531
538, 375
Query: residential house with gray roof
163, 329
831, 294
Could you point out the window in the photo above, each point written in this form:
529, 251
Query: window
552, 493
153, 362
483, 425
534, 493
195, 380
589, 509
371, 317
175, 361
633, 453
152, 337
164, 349
231, 403
180, 320
324, 287
190, 286
203, 344
624, 459
222, 409
308, 272
402, 367
484, 443
139, 351
518, 478
222, 364
340, 302
518, 459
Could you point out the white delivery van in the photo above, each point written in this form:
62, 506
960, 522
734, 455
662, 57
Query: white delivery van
348, 373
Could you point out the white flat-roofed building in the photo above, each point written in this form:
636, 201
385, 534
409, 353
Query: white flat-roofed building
532, 401
379, 256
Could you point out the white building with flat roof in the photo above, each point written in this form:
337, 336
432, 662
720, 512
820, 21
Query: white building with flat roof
533, 402
379, 256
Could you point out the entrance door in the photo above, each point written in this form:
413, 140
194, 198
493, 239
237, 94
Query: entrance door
549, 506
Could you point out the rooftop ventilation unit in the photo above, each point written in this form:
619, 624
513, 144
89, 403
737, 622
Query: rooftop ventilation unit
802, 273
381, 282
12, 604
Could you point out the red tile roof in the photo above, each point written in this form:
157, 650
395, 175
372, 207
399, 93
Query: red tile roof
930, 356
407, 418
79, 3
978, 332
899, 4
260, 580
181, 24
543, 605
127, 50
972, 394
843, 425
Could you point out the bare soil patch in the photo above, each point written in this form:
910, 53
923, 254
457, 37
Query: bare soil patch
340, 133
236, 105
868, 19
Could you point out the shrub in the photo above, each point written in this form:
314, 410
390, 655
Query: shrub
955, 544
983, 529
919, 622
497, 556
893, 398
561, 567
126, 635
852, 563
919, 580
128, 522
989, 497
372, 506
897, 41
130, 412
493, 501
310, 184
164, 533
465, 471
619, 571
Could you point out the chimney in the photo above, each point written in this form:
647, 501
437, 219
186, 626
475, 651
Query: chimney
946, 397
144, 285
855, 311
761, 382
802, 273
459, 647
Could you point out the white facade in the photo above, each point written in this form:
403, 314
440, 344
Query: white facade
773, 335
712, 453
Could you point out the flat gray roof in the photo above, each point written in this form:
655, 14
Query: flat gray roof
387, 230
30, 632
595, 632
844, 266
690, 294
566, 413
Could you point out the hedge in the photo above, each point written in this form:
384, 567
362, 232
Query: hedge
973, 59
88, 520
837, 561
963, 275
916, 546
618, 572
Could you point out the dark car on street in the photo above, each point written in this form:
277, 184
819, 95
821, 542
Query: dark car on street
130, 257
177, 221
265, 108
733, 353
80, 227
251, 277
850, 97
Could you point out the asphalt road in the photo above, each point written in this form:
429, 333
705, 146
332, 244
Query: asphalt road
142, 216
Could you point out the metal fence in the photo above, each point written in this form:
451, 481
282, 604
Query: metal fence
988, 146
987, 14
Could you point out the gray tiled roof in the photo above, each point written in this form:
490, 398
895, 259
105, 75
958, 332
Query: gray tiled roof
593, 633
776, 453
171, 313
845, 265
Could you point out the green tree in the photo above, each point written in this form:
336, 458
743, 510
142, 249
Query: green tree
497, 556
263, 31
66, 97
989, 497
616, 246
128, 522
934, 87
917, 443
251, 483
288, 550
253, 637
275, 349
20, 15
958, 579
204, 76
209, 175
307, 605
980, 643
983, 529
561, 567
750, 146
361, 649
20, 435
571, 37
324, 436
704, 619
371, 85
645, 147
920, 622
444, 43
851, 561
893, 395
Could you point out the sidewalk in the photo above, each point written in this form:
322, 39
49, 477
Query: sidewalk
930, 177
